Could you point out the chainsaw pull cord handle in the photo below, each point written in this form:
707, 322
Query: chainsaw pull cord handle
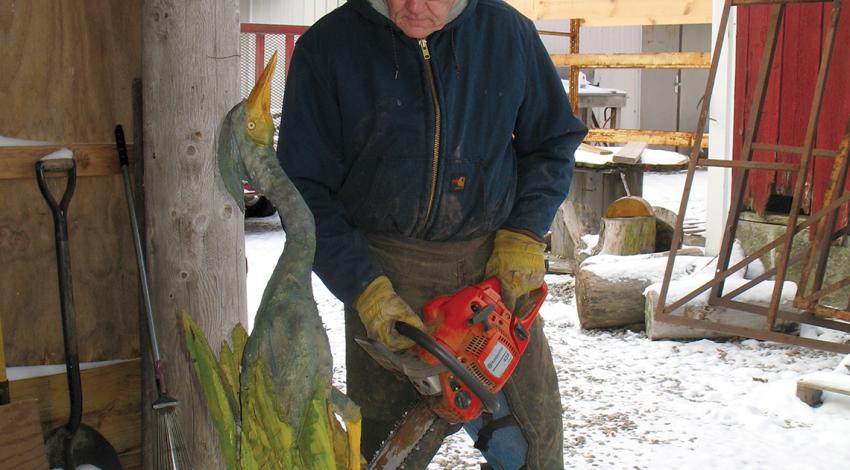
447, 359
66, 294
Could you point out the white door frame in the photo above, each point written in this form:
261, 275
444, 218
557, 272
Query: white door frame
721, 129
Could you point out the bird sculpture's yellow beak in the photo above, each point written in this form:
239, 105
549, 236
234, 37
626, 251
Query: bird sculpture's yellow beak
258, 117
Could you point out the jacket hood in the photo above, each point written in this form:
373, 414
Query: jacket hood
377, 12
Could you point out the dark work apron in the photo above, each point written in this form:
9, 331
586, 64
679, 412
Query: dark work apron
421, 271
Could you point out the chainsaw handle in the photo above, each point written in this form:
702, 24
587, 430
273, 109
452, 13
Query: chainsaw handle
525, 316
447, 359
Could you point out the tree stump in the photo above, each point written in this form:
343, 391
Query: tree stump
625, 236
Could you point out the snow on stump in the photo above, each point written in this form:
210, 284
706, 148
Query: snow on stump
699, 309
609, 289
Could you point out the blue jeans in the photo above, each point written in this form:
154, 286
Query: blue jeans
507, 447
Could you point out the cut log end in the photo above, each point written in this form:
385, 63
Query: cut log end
630, 206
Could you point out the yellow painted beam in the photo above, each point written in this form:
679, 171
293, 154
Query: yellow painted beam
653, 60
618, 12
620, 136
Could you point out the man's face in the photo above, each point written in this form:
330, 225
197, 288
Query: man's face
419, 18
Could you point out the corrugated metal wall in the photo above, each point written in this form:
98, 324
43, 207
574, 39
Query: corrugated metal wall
292, 12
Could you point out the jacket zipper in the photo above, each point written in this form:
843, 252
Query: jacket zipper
435, 162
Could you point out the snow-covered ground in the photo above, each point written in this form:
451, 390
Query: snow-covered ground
630, 403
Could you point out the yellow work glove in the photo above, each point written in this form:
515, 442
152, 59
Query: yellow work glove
379, 308
517, 261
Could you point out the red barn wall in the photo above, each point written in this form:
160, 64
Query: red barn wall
789, 97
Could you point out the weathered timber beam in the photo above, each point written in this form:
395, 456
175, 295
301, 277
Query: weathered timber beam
618, 12
619, 136
657, 60
92, 160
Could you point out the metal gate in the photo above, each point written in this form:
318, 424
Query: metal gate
825, 223
257, 43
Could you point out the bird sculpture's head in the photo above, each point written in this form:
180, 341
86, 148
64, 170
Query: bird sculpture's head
258, 117
247, 132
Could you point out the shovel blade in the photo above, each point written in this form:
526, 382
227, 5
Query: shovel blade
87, 446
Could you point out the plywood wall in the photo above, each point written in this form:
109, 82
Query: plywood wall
67, 67
66, 77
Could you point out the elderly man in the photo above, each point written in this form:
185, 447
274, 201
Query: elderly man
433, 142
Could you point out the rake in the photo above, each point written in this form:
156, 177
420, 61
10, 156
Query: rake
169, 448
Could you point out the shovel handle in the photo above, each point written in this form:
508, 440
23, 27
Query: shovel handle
66, 294
121, 146
64, 165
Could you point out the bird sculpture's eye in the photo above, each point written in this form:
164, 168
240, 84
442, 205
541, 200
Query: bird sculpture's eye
251, 125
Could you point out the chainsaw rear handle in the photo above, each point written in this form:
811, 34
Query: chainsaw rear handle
447, 359
527, 311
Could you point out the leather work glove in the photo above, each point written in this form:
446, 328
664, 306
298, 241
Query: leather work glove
379, 308
517, 261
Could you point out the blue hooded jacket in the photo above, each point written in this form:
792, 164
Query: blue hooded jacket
444, 139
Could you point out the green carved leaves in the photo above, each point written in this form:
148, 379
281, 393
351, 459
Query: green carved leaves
251, 417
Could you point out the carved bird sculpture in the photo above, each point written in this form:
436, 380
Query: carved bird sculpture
270, 395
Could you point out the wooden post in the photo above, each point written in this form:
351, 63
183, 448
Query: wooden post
195, 232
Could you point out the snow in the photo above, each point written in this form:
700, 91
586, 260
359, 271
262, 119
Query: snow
13, 142
630, 403
665, 190
649, 267
28, 372
649, 157
60, 154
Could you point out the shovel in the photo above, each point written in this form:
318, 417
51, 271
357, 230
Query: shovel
75, 443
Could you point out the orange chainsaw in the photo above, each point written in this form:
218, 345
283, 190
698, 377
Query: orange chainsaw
474, 346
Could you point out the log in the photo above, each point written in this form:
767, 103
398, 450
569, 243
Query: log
195, 230
609, 289
699, 308
810, 387
627, 236
665, 223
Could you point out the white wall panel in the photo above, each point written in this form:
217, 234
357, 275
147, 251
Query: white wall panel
290, 12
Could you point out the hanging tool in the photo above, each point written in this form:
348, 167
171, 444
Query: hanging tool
75, 443
170, 451
475, 345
